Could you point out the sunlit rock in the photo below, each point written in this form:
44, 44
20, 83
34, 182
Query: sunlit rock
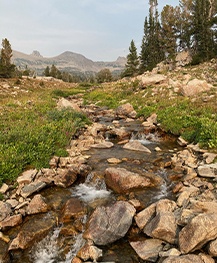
65, 177
37, 205
5, 210
148, 249
126, 110
31, 188
208, 170
184, 259
121, 180
110, 223
198, 232
11, 221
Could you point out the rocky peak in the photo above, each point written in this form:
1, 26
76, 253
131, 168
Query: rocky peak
36, 53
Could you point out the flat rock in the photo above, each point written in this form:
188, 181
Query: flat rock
27, 176
208, 170
103, 145
11, 221
37, 205
109, 223
184, 259
136, 146
31, 188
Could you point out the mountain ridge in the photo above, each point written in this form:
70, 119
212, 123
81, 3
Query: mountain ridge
67, 61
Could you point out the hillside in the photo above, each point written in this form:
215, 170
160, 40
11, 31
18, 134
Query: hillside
67, 61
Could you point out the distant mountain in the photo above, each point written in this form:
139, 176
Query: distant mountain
67, 61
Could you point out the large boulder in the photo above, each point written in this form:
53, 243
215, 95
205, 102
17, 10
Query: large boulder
109, 223
121, 180
200, 230
126, 110
153, 79
194, 87
208, 170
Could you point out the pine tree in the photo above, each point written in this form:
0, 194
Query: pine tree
203, 35
47, 72
131, 67
6, 67
151, 48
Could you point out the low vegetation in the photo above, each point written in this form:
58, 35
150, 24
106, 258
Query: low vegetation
32, 129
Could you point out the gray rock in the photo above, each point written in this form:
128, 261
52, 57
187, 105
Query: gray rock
110, 223
11, 221
31, 188
5, 210
148, 249
126, 110
200, 230
136, 146
27, 176
184, 259
208, 170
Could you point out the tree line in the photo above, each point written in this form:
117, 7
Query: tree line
190, 26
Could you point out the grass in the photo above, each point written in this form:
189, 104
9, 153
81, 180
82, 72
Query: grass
32, 130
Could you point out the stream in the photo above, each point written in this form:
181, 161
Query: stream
92, 192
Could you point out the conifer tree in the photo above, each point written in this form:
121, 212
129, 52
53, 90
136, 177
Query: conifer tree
6, 67
131, 67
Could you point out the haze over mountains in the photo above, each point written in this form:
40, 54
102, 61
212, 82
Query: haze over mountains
68, 61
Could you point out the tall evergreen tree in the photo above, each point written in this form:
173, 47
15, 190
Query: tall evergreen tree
203, 35
6, 67
131, 67
151, 48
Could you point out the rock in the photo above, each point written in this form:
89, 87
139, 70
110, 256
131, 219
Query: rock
37, 205
12, 202
64, 103
153, 79
162, 226
183, 58
203, 207
121, 180
206, 258
195, 87
209, 157
27, 176
5, 238
184, 259
114, 160
143, 217
72, 209
31, 188
171, 252
148, 249
89, 252
103, 145
110, 223
207, 170
121, 133
11, 221
198, 232
4, 188
126, 110
165, 205
65, 177
212, 248
136, 146
5, 210
182, 142
33, 230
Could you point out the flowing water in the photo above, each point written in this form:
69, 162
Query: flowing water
93, 192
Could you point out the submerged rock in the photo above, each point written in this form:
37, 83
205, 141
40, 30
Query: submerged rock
110, 223
121, 180
136, 146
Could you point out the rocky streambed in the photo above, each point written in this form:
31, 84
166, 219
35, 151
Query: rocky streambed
126, 193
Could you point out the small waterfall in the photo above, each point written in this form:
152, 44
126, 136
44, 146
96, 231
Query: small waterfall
91, 189
145, 139
48, 250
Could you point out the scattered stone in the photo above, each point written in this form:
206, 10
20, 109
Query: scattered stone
208, 170
148, 249
182, 142
194, 87
114, 160
4, 188
170, 253
209, 157
5, 210
103, 145
89, 252
27, 176
143, 217
136, 146
13, 202
11, 221
126, 110
64, 103
31, 188
4, 238
153, 79
184, 259
110, 223
37, 205
65, 177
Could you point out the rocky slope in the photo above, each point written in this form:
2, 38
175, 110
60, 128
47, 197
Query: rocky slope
67, 61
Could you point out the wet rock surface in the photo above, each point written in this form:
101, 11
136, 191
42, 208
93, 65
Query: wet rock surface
123, 206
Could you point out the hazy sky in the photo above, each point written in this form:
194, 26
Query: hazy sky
97, 29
